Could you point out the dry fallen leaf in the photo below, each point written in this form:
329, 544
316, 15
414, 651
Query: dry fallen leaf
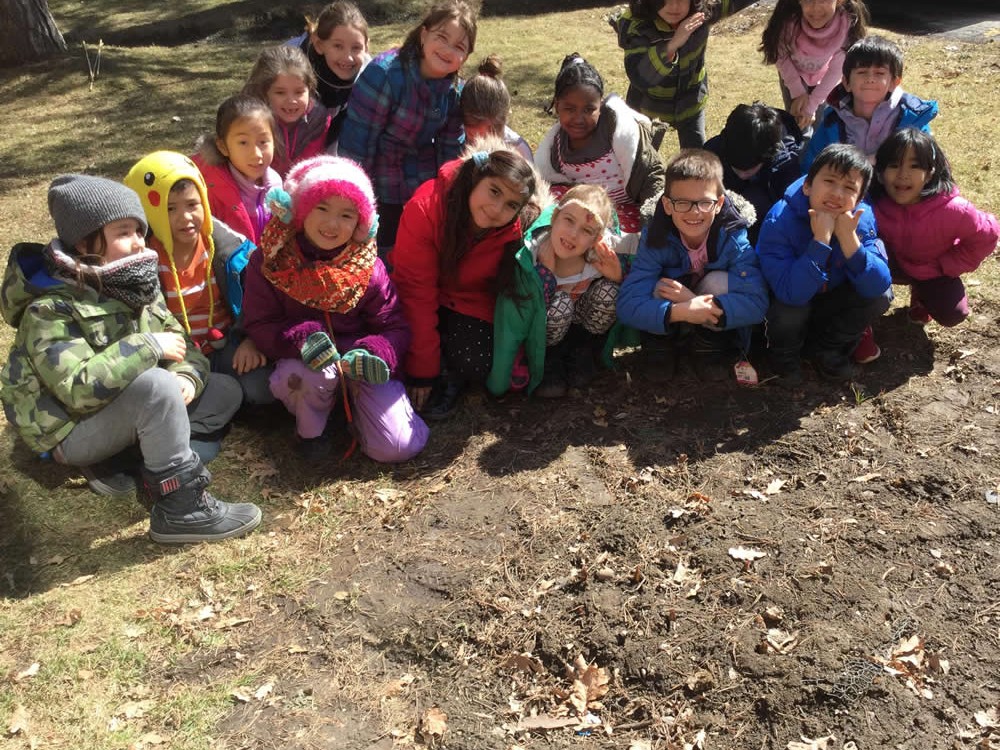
264, 690
241, 695
434, 723
19, 721
781, 641
746, 554
24, 674
590, 684
232, 622
544, 721
774, 487
820, 743
525, 662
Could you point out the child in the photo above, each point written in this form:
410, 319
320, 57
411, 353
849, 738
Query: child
199, 264
99, 362
403, 118
316, 288
664, 43
283, 78
455, 253
564, 303
236, 164
826, 267
759, 149
869, 104
486, 105
806, 40
336, 45
600, 141
695, 269
932, 234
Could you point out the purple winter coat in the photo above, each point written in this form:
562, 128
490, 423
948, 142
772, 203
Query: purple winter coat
279, 325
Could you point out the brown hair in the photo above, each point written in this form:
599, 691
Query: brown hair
485, 95
779, 35
693, 164
276, 61
340, 13
440, 13
456, 230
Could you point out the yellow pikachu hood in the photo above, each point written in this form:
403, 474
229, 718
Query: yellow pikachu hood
152, 177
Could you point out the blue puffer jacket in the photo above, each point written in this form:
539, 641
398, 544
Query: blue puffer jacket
914, 112
662, 254
797, 267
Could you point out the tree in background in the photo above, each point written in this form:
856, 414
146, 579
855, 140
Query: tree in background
27, 32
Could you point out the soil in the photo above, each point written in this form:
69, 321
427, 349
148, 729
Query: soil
605, 527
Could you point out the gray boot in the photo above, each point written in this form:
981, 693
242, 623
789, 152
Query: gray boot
185, 512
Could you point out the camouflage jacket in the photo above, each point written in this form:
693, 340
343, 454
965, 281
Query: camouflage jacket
75, 350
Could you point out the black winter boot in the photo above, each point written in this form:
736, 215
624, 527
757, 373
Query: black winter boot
185, 512
554, 380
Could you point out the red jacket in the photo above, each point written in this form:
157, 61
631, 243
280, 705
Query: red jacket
224, 198
416, 275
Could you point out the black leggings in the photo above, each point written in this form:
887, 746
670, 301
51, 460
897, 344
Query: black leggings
466, 345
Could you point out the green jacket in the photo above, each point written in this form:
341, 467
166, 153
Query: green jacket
75, 350
520, 321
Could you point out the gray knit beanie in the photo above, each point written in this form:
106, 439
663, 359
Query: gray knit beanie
81, 204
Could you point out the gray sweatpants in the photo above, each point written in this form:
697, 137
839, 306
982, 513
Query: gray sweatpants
151, 412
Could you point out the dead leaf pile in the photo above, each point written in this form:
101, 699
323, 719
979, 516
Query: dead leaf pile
540, 704
986, 732
911, 663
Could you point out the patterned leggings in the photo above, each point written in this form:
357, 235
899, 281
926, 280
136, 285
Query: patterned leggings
594, 311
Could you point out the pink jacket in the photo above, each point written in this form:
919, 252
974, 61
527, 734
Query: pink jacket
944, 235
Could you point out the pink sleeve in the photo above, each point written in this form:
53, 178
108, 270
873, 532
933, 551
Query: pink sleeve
978, 232
790, 76
828, 83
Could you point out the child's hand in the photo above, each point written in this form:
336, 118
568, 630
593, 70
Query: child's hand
672, 290
247, 357
547, 256
418, 396
846, 229
803, 117
823, 223
701, 310
686, 28
606, 263
173, 345
187, 388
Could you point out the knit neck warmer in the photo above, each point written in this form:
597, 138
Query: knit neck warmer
822, 43
132, 279
332, 282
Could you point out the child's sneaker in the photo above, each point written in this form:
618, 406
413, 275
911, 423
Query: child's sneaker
918, 314
867, 350
832, 365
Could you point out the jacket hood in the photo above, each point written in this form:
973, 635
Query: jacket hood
25, 279
152, 177
736, 213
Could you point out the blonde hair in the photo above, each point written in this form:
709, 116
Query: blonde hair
592, 198
277, 61
340, 13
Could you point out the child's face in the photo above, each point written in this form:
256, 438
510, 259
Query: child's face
478, 127
186, 215
675, 11
288, 98
494, 203
331, 223
834, 192
574, 231
579, 110
249, 146
343, 50
693, 205
122, 238
443, 49
818, 13
870, 85
904, 180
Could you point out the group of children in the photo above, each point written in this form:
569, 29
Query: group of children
366, 231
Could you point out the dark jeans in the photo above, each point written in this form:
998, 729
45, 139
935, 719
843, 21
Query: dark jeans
832, 323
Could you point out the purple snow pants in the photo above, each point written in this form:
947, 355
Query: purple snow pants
387, 428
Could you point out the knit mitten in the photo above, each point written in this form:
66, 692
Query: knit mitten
362, 365
319, 351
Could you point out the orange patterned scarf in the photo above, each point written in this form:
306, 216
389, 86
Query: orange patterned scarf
332, 285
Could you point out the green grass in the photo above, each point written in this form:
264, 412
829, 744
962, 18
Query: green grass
149, 98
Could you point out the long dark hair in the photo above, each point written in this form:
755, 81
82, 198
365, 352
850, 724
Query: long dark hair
775, 42
649, 10
926, 151
456, 234
440, 13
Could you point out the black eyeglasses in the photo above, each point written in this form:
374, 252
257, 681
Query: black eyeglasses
683, 206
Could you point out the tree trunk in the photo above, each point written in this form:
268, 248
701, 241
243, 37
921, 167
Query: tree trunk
27, 32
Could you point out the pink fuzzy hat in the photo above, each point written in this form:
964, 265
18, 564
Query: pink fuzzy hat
314, 180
